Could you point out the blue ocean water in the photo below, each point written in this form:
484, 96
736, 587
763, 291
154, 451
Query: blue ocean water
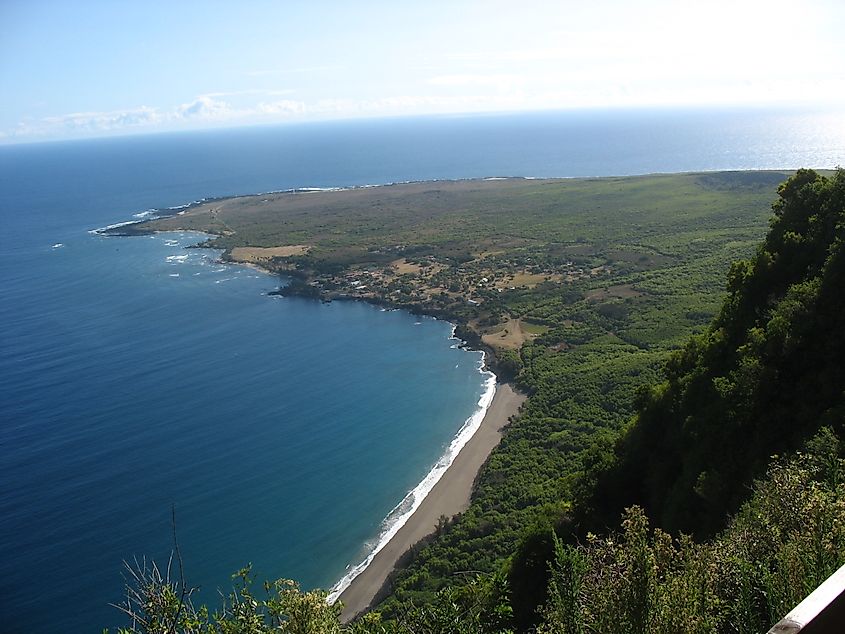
136, 373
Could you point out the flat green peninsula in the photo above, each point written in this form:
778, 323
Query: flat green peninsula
511, 260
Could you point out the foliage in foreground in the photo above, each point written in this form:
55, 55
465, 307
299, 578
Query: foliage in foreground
157, 604
781, 545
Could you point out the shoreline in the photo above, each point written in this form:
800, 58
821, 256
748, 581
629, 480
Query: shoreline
445, 490
408, 505
449, 496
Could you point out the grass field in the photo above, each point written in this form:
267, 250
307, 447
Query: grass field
646, 254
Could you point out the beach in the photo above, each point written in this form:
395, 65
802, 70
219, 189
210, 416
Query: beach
449, 496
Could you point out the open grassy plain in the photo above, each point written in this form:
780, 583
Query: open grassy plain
642, 258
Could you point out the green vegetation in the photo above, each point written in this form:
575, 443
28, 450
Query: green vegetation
762, 378
641, 259
156, 603
639, 406
780, 546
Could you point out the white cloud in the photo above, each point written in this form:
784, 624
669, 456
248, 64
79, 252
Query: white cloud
106, 120
210, 109
87, 122
205, 107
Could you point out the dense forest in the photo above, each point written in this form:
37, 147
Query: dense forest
766, 374
655, 481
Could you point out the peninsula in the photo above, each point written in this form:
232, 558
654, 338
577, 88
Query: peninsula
484, 253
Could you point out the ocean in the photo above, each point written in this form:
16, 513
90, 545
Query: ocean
138, 375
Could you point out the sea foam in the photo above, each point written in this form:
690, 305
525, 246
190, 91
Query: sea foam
402, 512
116, 225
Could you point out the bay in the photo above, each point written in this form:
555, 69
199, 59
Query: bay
136, 374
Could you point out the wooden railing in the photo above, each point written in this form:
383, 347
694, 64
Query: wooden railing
822, 612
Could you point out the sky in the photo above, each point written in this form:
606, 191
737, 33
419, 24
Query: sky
83, 68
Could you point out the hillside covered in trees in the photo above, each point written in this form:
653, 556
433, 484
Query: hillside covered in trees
618, 425
765, 375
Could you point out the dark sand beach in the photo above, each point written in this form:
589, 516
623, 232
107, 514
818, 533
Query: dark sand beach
449, 496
